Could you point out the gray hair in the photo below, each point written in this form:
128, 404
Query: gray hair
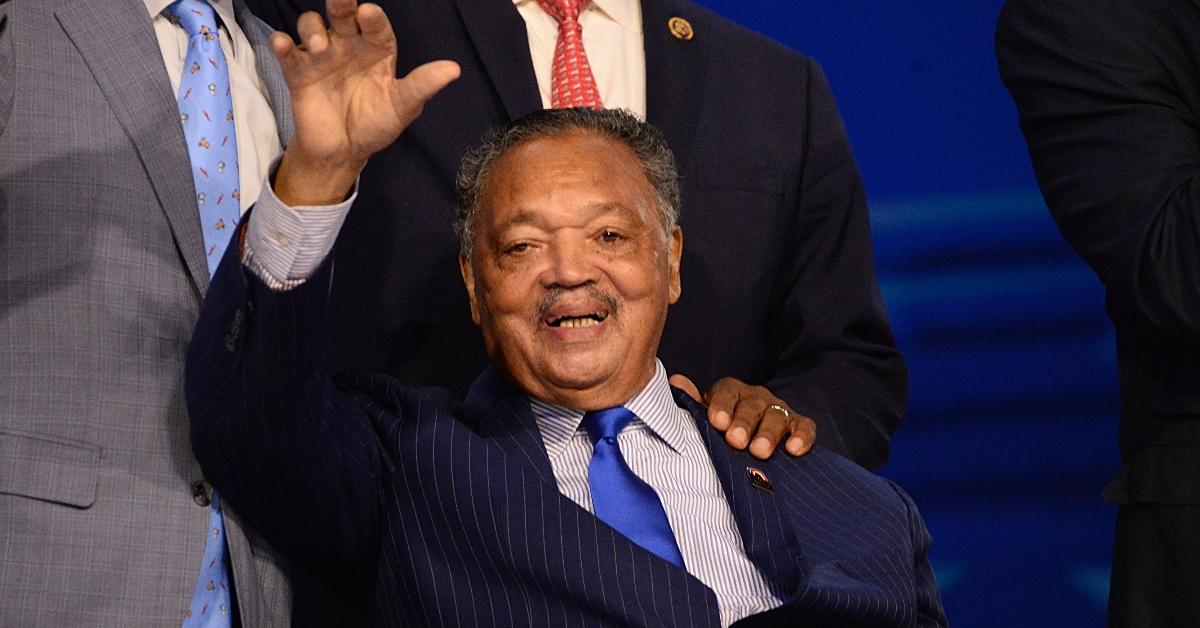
658, 163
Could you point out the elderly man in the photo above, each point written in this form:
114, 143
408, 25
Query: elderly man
779, 277
573, 486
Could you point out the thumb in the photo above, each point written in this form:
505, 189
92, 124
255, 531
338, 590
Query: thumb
424, 82
686, 385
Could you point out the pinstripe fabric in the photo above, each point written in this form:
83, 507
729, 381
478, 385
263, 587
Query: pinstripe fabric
101, 277
447, 513
663, 447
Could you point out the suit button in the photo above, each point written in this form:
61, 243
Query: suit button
202, 493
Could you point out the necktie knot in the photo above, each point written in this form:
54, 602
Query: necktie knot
606, 424
563, 11
196, 17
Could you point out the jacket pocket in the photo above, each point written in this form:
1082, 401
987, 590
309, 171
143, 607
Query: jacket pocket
49, 468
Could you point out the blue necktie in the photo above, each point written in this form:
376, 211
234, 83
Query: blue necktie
620, 498
206, 113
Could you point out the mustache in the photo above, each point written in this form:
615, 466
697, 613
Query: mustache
557, 293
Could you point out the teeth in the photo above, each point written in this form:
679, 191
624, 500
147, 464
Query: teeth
586, 320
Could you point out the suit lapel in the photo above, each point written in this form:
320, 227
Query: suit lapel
258, 33
498, 35
766, 533
502, 416
117, 41
675, 74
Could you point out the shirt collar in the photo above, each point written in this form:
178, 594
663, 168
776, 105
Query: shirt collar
626, 13
223, 8
654, 406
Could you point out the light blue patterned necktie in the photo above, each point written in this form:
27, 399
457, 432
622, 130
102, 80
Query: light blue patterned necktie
619, 497
206, 113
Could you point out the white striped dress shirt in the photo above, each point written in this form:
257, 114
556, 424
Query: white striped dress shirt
663, 447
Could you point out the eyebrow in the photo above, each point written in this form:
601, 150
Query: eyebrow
532, 218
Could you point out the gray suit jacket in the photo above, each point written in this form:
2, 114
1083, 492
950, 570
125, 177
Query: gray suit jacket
102, 274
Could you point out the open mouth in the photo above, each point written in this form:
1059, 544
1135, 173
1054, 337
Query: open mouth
583, 320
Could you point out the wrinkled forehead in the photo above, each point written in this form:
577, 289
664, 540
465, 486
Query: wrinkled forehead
574, 163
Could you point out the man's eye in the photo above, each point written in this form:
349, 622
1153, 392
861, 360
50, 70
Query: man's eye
608, 235
518, 248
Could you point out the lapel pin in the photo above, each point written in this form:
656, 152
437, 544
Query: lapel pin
759, 480
681, 28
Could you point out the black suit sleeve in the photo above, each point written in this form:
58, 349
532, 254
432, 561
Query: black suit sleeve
295, 457
838, 362
1106, 93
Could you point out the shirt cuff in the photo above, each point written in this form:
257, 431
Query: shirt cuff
285, 245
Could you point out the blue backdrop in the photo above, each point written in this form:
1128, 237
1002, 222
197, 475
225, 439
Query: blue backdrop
1011, 431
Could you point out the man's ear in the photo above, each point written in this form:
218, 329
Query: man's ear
674, 259
468, 276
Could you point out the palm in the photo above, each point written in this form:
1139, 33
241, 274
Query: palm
347, 101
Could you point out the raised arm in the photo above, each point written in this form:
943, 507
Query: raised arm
297, 458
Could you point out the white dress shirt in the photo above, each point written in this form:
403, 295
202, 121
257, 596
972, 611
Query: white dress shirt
612, 39
663, 447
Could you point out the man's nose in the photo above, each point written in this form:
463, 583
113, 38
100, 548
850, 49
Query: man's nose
570, 265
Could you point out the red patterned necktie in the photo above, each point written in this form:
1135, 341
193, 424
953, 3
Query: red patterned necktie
572, 84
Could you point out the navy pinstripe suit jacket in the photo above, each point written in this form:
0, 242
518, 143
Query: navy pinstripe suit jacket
413, 508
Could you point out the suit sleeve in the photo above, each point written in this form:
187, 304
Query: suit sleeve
838, 363
930, 612
293, 455
1103, 92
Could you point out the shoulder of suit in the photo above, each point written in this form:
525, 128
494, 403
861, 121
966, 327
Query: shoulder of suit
824, 467
251, 22
730, 34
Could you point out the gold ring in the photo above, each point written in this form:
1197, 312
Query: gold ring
775, 406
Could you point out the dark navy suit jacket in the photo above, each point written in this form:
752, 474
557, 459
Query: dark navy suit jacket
432, 511
778, 275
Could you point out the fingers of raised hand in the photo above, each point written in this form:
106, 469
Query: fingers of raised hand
414, 90
282, 46
343, 17
311, 28
375, 27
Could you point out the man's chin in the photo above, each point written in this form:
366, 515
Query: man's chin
589, 389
